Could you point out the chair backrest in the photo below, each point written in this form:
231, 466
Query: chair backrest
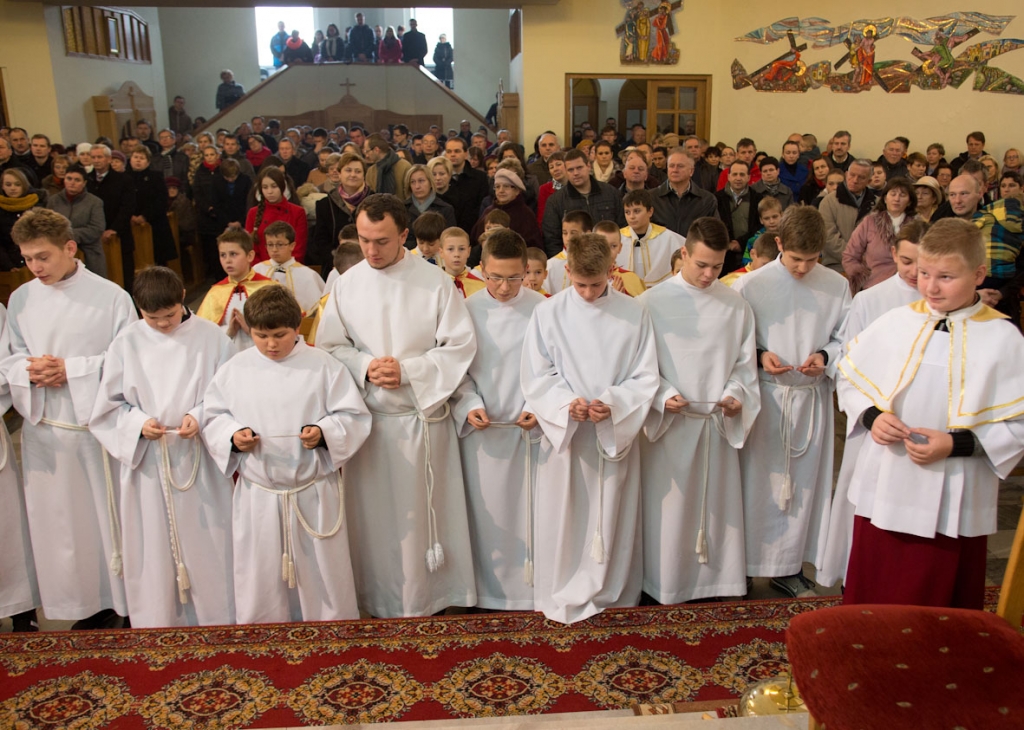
1011, 595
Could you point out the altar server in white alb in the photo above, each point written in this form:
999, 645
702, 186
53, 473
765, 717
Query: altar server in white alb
19, 591
302, 281
704, 409
938, 385
589, 374
175, 503
61, 324
498, 437
898, 290
647, 248
401, 328
800, 309
286, 417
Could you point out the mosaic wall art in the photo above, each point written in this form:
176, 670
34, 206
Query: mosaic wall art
646, 32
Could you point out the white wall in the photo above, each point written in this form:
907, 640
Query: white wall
198, 44
481, 55
78, 79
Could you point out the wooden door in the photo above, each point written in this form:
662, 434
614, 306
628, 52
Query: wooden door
678, 106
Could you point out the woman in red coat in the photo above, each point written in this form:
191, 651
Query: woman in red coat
272, 205
390, 48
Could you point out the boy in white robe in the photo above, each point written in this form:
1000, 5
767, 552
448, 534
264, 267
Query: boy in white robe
939, 387
61, 323
647, 248
705, 406
589, 374
286, 417
498, 437
175, 504
869, 304
19, 591
800, 309
574, 224
302, 281
401, 328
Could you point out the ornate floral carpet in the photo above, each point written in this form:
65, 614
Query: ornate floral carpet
279, 675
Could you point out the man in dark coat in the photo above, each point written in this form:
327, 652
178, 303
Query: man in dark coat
583, 192
414, 45
468, 187
117, 191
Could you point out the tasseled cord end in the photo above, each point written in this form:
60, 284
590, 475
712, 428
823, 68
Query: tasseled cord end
597, 549
786, 493
183, 583
702, 547
287, 570
528, 572
115, 564
435, 557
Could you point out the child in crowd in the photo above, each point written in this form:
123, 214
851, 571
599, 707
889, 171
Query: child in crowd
224, 303
800, 310
272, 204
499, 456
704, 409
646, 248
347, 233
496, 219
536, 270
345, 256
427, 228
765, 250
769, 211
925, 485
574, 224
61, 324
622, 280
286, 417
302, 281
770, 186
175, 506
878, 177
589, 374
677, 261
454, 254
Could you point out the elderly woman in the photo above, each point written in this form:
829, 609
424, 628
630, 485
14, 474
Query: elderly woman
53, 183
929, 197
508, 196
512, 151
423, 199
16, 197
337, 210
867, 259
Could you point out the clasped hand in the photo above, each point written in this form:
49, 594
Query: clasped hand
385, 372
595, 410
888, 429
479, 420
152, 430
729, 405
812, 367
47, 371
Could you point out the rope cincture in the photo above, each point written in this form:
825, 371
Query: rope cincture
701, 548
168, 484
597, 551
786, 432
435, 553
116, 564
528, 562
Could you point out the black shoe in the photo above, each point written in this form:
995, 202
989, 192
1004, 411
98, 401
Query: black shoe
105, 619
795, 586
127, 624
25, 621
647, 600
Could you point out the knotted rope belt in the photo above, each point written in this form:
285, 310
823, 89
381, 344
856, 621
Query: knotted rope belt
528, 562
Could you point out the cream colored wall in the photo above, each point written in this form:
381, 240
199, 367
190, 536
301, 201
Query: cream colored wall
578, 36
198, 44
481, 55
26, 69
77, 79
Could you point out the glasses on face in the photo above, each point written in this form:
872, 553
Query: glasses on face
499, 280
275, 246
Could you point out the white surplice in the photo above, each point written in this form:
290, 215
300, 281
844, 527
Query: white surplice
70, 497
19, 590
587, 539
403, 504
494, 461
291, 545
690, 466
649, 255
868, 305
901, 364
558, 277
148, 374
787, 460
302, 281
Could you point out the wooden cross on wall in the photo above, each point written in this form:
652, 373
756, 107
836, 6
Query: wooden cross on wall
348, 85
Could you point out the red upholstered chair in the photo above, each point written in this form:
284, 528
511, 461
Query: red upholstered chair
875, 667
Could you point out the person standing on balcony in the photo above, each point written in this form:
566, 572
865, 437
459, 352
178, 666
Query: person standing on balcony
361, 45
277, 45
444, 56
229, 90
390, 48
297, 50
414, 45
333, 47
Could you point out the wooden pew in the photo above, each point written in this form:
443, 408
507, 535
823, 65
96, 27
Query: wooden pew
11, 280
190, 258
112, 253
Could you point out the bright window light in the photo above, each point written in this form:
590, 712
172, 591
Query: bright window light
433, 22
300, 19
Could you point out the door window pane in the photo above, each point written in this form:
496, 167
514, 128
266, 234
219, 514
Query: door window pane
666, 123
666, 97
687, 98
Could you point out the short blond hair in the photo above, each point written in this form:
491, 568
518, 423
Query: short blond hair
590, 255
953, 237
453, 232
802, 230
42, 223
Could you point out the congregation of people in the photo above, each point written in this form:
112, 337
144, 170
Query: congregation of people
441, 370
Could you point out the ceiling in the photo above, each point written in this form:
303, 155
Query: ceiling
488, 4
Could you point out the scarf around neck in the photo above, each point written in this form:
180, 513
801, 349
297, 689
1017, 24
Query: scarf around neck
19, 205
343, 199
386, 182
427, 202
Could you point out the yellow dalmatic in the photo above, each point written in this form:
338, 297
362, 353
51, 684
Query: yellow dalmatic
634, 286
311, 337
215, 303
730, 278
468, 283
649, 256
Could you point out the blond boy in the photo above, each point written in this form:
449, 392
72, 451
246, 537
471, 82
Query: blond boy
621, 279
574, 224
454, 254
536, 270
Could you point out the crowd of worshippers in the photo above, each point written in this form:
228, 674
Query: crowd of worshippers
557, 393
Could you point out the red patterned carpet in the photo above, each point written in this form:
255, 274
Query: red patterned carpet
276, 675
